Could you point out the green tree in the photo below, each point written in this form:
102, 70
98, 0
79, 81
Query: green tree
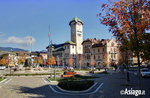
28, 62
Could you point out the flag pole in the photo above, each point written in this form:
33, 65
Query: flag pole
49, 34
31, 41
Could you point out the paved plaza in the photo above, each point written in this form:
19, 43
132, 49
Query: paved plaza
38, 87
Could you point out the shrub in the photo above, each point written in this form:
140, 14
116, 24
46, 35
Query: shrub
76, 85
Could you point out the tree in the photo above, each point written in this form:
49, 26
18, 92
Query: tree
21, 59
28, 63
146, 47
106, 59
51, 61
40, 61
2, 61
128, 20
70, 61
92, 61
8, 60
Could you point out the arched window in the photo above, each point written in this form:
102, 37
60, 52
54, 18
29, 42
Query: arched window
112, 44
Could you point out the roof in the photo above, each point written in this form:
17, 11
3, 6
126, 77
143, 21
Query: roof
91, 40
98, 45
58, 49
96, 42
69, 42
55, 45
75, 19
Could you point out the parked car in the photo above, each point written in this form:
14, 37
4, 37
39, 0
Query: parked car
2, 67
145, 72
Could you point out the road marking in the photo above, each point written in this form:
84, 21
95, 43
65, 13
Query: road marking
76, 94
4, 80
45, 80
7, 81
76, 91
98, 87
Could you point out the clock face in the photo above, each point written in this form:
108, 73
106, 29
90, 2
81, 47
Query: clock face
79, 34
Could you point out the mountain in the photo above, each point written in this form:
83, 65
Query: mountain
43, 51
9, 49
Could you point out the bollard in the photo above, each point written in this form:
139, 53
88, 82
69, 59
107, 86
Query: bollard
55, 74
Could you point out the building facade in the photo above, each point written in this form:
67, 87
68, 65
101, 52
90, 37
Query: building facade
69, 49
100, 52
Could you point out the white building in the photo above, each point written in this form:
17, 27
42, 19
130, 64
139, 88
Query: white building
71, 48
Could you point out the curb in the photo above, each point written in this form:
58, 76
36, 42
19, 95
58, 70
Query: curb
76, 91
3, 80
50, 80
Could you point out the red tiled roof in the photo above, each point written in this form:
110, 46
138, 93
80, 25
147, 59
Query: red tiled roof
96, 42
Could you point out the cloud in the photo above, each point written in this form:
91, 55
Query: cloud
2, 34
21, 41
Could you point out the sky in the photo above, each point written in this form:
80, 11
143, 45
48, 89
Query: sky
19, 19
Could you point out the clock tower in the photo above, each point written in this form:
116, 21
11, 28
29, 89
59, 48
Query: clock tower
77, 34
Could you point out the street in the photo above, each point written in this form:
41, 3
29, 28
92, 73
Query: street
36, 87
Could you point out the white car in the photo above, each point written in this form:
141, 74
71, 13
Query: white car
145, 72
2, 67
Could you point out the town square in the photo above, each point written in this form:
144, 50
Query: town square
74, 49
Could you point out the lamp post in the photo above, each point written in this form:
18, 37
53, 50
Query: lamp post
51, 58
128, 78
12, 60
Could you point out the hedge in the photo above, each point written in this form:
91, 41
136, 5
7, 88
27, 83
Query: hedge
76, 85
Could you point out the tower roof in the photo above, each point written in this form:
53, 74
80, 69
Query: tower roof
69, 42
75, 19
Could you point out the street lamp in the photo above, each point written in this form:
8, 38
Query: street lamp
12, 60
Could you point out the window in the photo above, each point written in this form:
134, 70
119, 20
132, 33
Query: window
72, 46
111, 55
112, 44
79, 34
98, 50
114, 56
88, 57
98, 57
94, 50
94, 57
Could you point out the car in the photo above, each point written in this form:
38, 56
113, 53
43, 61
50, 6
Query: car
2, 67
145, 72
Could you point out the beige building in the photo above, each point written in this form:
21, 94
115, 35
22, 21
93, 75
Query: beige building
71, 48
102, 52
